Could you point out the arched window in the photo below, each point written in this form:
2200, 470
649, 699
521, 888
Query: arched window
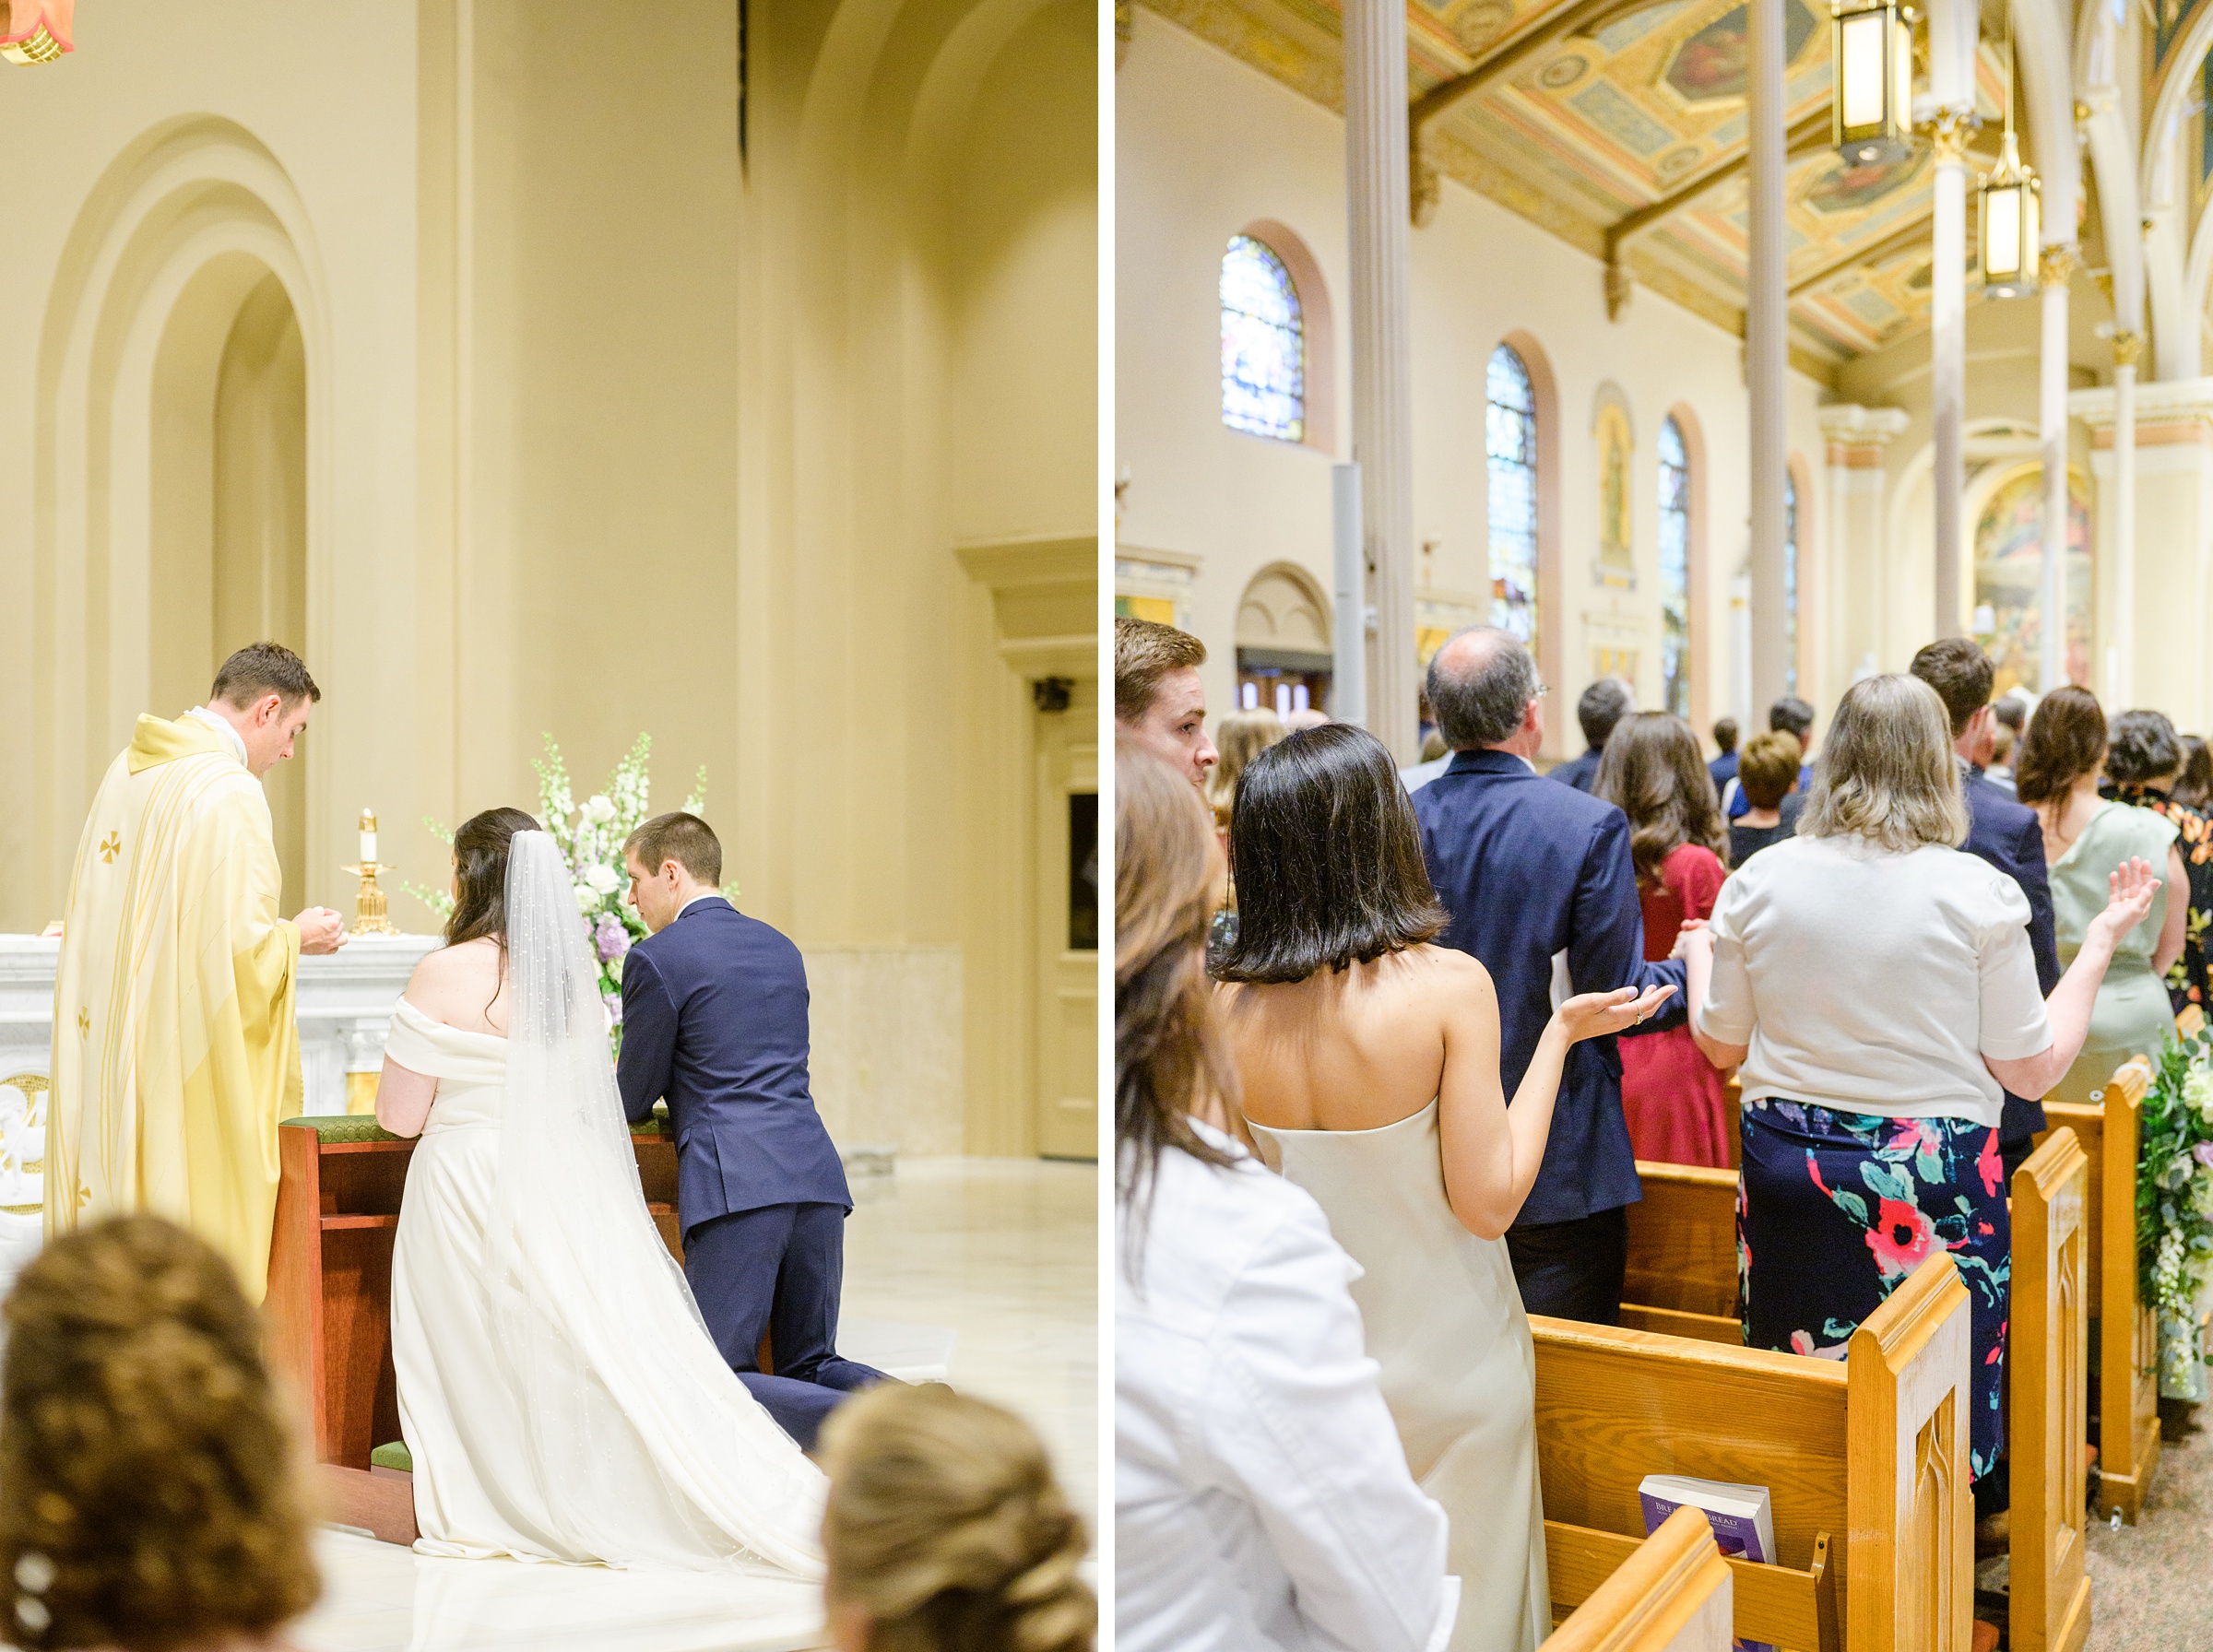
1675, 570
1790, 584
1263, 344
1510, 442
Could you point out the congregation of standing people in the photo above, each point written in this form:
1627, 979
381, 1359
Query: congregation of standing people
1395, 1107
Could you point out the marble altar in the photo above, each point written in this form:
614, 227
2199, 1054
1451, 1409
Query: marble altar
345, 1013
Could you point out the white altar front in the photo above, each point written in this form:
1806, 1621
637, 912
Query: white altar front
345, 1011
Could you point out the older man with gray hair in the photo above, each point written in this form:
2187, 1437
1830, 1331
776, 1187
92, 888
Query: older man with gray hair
1541, 890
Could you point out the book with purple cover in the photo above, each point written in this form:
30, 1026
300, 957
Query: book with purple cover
1742, 1527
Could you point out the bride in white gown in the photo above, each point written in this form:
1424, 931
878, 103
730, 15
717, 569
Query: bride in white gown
558, 1389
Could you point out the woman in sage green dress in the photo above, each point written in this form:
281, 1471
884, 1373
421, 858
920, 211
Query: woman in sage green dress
2085, 837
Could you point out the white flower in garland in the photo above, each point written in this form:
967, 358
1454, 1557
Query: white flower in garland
603, 878
598, 809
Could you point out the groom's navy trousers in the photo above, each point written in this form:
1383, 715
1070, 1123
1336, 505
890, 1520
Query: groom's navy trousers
714, 1019
778, 1269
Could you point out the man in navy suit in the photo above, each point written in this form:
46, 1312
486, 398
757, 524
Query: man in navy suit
2002, 831
714, 1018
1540, 888
1604, 703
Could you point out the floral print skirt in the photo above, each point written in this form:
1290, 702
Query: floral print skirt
1833, 1211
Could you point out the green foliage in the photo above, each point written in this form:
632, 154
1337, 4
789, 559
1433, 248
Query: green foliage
2174, 1179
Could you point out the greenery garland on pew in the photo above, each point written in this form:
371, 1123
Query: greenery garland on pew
2174, 1206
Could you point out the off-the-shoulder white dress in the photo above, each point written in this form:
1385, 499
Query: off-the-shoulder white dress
653, 1452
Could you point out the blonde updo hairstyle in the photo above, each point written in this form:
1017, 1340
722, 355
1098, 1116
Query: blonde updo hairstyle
945, 1530
150, 1481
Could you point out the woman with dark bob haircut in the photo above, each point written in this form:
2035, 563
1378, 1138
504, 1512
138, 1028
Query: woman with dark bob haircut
1370, 1061
2142, 765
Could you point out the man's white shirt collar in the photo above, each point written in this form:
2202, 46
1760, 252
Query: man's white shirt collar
695, 901
232, 738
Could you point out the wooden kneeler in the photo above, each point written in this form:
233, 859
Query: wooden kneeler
1673, 1594
328, 1311
2128, 1340
1866, 1459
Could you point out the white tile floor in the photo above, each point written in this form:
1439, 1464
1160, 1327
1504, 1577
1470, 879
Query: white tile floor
1001, 1251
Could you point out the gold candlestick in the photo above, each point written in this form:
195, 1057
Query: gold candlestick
369, 906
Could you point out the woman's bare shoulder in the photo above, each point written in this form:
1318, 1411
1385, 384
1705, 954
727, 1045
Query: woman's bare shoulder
451, 968
1449, 969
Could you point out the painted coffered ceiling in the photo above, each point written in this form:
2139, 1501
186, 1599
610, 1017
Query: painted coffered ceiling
1619, 126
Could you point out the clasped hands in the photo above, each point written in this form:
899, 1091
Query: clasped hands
322, 931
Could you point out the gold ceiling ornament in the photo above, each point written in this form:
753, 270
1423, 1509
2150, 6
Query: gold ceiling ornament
36, 31
2012, 202
2128, 348
1871, 65
1949, 131
2056, 267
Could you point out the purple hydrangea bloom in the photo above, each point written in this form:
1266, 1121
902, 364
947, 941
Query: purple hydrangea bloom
611, 939
2204, 1153
613, 1000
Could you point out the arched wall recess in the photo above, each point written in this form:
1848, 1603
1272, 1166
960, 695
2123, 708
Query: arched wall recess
179, 228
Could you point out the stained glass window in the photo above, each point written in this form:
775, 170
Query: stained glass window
1790, 584
1674, 570
1263, 344
1510, 442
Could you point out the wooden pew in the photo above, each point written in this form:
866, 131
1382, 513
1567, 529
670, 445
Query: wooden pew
328, 1308
2128, 1390
1865, 1458
1673, 1594
1682, 1268
1682, 1277
2047, 1373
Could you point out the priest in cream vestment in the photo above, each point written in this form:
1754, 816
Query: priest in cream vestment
175, 1051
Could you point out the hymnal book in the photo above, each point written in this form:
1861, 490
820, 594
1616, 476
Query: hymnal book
1742, 1527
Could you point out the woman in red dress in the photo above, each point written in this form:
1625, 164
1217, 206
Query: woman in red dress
1676, 1100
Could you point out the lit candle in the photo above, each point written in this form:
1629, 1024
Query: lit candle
368, 837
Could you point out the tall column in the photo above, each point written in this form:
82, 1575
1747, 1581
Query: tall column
1947, 360
2121, 631
1377, 210
2053, 272
1766, 323
1855, 557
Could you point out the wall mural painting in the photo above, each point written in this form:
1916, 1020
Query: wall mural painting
2009, 562
1709, 67
1614, 556
1854, 188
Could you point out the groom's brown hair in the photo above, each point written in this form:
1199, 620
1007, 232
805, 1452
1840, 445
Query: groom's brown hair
261, 668
686, 839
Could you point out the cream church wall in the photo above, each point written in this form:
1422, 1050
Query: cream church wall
606, 430
1238, 503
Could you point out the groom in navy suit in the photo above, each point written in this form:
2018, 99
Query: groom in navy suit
714, 1018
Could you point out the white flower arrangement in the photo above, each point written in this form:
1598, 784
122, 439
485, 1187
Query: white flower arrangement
590, 838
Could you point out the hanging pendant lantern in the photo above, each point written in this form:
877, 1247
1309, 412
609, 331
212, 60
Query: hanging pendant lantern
2012, 225
1871, 63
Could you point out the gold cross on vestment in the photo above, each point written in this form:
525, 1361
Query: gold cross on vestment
111, 846
83, 1024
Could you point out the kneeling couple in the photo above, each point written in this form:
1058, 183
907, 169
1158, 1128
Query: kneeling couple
564, 1392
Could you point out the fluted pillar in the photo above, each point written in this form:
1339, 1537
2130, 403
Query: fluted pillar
1947, 362
1766, 321
2121, 632
1377, 210
2053, 269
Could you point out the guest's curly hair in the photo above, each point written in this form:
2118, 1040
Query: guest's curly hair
945, 1528
148, 1492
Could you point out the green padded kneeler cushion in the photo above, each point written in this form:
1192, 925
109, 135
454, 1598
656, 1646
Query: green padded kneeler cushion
395, 1456
346, 1126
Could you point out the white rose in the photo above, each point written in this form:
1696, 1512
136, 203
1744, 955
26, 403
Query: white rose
597, 809
603, 878
587, 899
